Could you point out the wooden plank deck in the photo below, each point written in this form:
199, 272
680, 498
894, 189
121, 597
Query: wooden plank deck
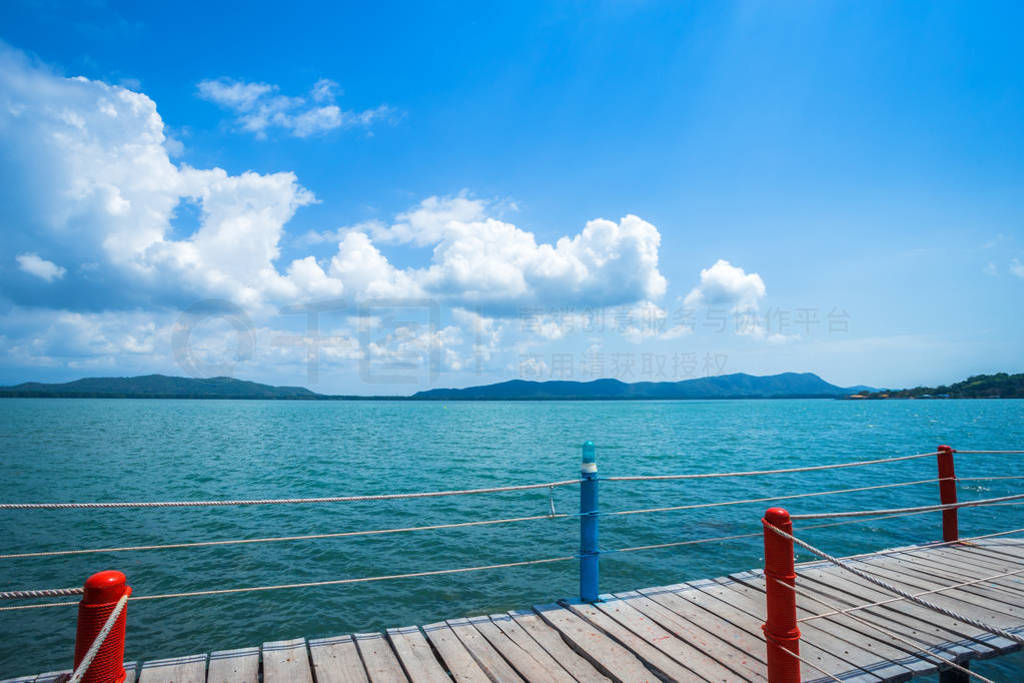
708, 630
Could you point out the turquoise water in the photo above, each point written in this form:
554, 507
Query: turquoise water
84, 450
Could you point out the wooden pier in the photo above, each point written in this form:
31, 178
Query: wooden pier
702, 630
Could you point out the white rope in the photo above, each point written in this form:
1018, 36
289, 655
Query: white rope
916, 648
46, 593
996, 452
716, 539
280, 501
334, 582
42, 593
673, 544
898, 591
859, 463
925, 508
552, 514
793, 496
83, 666
274, 539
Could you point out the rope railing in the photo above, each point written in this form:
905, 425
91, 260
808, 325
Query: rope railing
454, 525
752, 473
59, 592
283, 501
957, 450
461, 492
793, 496
275, 539
312, 584
923, 508
458, 492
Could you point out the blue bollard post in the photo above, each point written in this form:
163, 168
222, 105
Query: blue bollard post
588, 525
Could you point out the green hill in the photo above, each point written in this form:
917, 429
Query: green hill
157, 386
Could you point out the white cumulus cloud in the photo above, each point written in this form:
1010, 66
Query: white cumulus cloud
729, 287
480, 260
33, 264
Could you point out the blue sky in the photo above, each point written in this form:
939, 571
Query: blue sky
467, 194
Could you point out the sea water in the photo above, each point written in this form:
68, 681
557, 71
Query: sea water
145, 450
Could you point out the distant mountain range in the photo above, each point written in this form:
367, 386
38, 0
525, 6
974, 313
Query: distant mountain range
740, 385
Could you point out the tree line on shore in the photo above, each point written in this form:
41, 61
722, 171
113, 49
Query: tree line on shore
999, 385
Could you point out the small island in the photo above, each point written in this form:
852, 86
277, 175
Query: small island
999, 385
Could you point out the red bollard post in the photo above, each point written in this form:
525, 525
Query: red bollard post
102, 591
947, 494
782, 636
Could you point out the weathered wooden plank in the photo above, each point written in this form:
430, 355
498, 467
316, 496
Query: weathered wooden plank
336, 660
835, 638
604, 653
699, 661
489, 659
980, 556
553, 643
521, 660
950, 573
457, 658
1013, 554
378, 658
968, 559
902, 657
1006, 545
977, 566
745, 665
191, 669
969, 568
518, 635
48, 677
716, 622
666, 665
977, 607
974, 555
417, 658
716, 599
286, 660
234, 666
909, 620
